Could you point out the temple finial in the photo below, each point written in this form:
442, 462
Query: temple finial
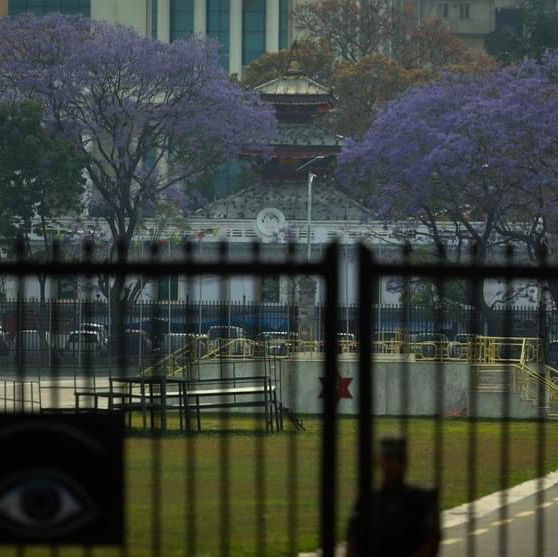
294, 67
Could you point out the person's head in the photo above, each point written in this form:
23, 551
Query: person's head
393, 459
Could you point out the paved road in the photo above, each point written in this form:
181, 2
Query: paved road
520, 526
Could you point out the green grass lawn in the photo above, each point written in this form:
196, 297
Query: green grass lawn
205, 453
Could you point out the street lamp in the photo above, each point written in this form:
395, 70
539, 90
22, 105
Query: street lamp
311, 177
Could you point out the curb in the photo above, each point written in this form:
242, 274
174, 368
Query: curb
479, 508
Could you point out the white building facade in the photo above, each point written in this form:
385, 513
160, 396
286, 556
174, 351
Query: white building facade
246, 29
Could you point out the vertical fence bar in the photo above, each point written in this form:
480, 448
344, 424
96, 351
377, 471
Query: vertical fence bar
259, 476
329, 442
88, 252
542, 403
190, 531
20, 350
443, 352
475, 302
507, 384
292, 448
121, 343
159, 380
404, 404
366, 290
224, 448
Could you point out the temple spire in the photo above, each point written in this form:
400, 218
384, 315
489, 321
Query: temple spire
294, 67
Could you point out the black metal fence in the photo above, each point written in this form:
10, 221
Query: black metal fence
44, 336
205, 475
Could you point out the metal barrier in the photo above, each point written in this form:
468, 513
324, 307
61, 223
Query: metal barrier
20, 396
234, 463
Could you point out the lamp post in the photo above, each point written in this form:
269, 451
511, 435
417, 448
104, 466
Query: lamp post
311, 177
307, 286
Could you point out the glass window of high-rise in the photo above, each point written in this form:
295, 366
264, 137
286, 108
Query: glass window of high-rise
218, 13
42, 7
154, 16
253, 30
182, 19
283, 24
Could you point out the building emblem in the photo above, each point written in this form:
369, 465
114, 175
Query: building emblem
269, 222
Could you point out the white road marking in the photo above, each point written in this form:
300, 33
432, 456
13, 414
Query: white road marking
501, 522
451, 541
489, 503
525, 513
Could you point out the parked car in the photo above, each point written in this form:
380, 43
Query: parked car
276, 343
98, 328
346, 342
430, 345
85, 342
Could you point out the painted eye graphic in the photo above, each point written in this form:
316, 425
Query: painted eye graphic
44, 503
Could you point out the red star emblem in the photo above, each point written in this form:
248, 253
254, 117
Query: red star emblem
341, 387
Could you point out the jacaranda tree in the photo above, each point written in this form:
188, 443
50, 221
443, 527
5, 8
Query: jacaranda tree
478, 152
152, 117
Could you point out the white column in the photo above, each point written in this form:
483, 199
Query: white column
200, 17
163, 21
272, 26
235, 44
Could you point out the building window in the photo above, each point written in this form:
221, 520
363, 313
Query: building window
253, 30
227, 178
464, 10
154, 15
218, 13
182, 19
167, 289
284, 24
271, 289
43, 7
443, 10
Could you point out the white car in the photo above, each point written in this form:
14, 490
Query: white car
85, 342
98, 328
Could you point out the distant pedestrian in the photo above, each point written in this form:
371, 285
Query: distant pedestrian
397, 520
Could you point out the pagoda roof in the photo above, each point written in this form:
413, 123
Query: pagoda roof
295, 88
328, 203
294, 134
294, 85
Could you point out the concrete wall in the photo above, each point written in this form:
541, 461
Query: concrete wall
300, 386
490, 405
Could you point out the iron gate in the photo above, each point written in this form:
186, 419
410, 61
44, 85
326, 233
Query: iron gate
521, 362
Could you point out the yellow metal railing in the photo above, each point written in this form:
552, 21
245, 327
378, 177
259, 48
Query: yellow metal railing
241, 348
534, 383
172, 363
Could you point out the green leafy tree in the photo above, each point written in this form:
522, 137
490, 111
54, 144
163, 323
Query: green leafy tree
505, 45
535, 34
363, 88
41, 178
